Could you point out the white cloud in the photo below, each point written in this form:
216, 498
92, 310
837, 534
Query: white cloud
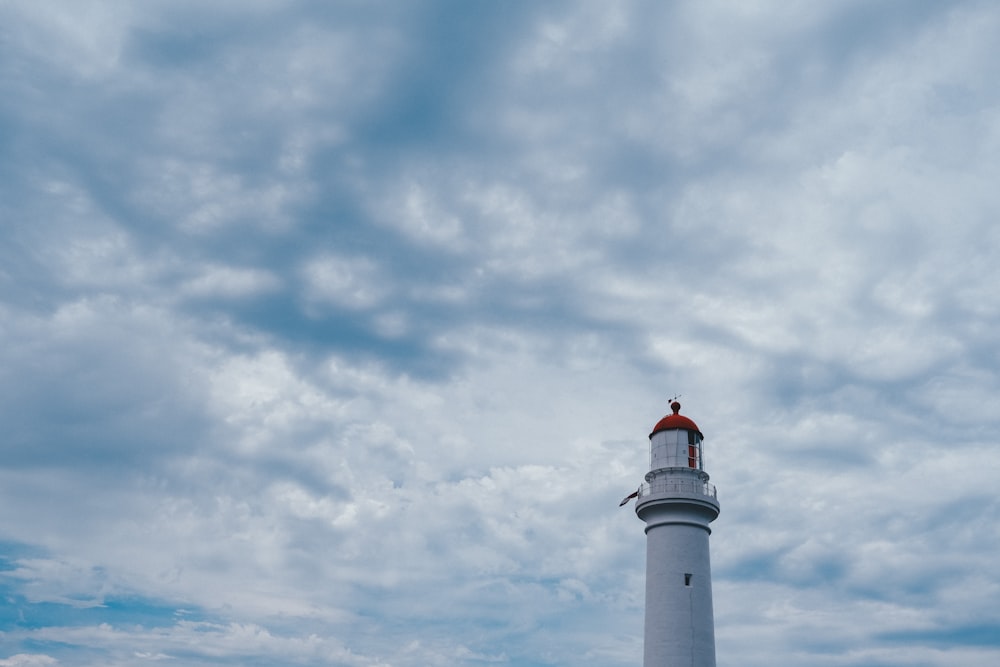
28, 660
84, 40
345, 281
230, 282
506, 239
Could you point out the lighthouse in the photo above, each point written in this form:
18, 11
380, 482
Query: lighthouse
677, 503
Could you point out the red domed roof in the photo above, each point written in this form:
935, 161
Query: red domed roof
675, 421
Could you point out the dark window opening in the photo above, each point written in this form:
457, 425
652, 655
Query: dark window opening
687, 579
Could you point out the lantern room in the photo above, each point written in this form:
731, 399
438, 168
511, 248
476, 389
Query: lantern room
675, 442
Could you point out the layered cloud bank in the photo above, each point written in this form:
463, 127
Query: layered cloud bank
333, 335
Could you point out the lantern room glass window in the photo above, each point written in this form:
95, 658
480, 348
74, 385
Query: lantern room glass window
676, 448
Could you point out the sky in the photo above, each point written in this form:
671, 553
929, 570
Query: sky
332, 333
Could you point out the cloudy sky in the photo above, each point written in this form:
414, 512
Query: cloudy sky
332, 333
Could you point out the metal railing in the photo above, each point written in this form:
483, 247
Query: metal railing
686, 486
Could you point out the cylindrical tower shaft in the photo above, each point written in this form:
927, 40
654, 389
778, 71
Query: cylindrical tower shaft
680, 626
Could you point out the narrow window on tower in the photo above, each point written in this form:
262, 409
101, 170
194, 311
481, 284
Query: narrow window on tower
687, 579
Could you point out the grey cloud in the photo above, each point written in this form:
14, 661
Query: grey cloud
344, 326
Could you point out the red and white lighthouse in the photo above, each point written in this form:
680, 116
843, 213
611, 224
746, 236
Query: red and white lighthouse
677, 502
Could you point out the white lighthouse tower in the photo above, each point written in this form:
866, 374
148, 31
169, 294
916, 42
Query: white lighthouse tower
677, 503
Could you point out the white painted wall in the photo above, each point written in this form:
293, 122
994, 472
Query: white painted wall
679, 624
